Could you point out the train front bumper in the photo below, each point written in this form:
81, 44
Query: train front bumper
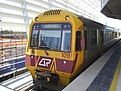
45, 78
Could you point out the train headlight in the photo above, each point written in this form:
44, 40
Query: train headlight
36, 19
67, 17
65, 65
30, 60
64, 62
31, 57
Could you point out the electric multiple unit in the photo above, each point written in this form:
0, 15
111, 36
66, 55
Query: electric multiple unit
62, 43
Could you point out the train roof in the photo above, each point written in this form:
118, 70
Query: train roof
89, 22
94, 24
86, 21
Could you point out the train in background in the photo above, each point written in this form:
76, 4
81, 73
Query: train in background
62, 43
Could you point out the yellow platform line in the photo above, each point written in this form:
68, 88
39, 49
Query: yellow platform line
116, 76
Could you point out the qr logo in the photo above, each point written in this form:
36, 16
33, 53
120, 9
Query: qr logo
45, 62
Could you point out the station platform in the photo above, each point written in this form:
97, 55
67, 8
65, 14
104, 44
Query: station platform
103, 75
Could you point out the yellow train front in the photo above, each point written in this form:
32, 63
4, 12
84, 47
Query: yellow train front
59, 46
51, 56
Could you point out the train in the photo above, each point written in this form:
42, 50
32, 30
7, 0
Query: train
61, 44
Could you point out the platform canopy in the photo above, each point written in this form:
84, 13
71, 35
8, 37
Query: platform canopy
111, 8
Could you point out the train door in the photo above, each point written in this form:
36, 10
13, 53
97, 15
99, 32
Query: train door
79, 49
100, 39
87, 44
80, 41
91, 42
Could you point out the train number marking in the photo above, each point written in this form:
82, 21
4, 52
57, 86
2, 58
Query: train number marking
45, 62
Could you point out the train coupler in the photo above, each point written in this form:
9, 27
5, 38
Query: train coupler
46, 77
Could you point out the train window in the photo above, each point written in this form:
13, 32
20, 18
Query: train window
66, 40
105, 36
119, 34
55, 40
93, 36
85, 35
49, 39
110, 35
34, 39
78, 40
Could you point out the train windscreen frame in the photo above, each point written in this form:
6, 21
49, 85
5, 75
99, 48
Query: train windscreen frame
51, 36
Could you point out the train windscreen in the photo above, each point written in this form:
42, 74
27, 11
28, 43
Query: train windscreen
51, 36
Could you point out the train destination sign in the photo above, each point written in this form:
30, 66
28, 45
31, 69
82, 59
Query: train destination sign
52, 26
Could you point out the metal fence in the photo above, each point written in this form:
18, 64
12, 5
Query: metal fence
12, 50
